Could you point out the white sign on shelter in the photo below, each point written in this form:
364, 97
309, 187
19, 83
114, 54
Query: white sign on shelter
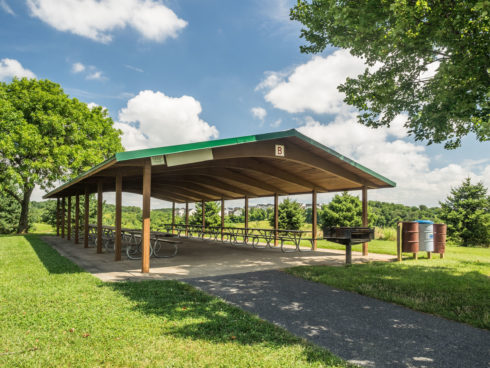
280, 150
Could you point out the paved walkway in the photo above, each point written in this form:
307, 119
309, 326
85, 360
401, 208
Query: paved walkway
197, 258
360, 329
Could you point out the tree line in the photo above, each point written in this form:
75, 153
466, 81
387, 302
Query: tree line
466, 211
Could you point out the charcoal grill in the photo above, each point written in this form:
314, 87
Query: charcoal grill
348, 236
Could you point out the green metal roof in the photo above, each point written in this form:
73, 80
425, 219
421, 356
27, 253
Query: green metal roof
149, 152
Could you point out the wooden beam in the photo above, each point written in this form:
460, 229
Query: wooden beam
173, 217
313, 218
170, 190
145, 234
63, 208
233, 175
276, 219
99, 217
203, 215
222, 218
186, 218
364, 218
211, 182
197, 188
57, 217
68, 226
159, 195
182, 190
118, 217
77, 218
246, 215
264, 167
85, 217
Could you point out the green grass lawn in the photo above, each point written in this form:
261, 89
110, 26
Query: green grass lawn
456, 287
53, 314
41, 228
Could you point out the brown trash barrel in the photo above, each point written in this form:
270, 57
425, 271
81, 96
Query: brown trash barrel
410, 237
440, 238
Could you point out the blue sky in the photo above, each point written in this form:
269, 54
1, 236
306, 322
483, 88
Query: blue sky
177, 71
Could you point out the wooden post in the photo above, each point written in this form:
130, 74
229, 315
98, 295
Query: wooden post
57, 217
429, 255
63, 218
118, 240
68, 227
246, 219
313, 218
186, 218
364, 218
86, 205
276, 219
222, 218
99, 217
145, 234
173, 217
77, 218
203, 217
399, 242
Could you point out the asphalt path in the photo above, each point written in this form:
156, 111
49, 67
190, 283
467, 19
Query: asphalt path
359, 329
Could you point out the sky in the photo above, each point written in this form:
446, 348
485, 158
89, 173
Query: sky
180, 71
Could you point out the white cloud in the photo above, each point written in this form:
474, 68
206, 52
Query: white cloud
77, 68
259, 113
139, 70
10, 68
272, 80
313, 86
97, 19
163, 121
384, 151
91, 105
276, 123
95, 75
6, 7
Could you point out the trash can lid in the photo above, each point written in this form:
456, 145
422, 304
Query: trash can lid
424, 222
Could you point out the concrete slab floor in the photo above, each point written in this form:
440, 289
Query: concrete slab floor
198, 258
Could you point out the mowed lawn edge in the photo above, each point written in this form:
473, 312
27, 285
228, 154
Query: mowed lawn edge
456, 287
54, 314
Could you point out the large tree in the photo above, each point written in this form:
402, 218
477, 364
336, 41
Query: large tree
467, 214
211, 214
291, 215
343, 210
432, 61
46, 136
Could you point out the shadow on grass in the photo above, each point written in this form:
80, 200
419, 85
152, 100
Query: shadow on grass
190, 313
51, 259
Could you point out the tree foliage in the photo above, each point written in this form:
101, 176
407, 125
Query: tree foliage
384, 214
400, 40
212, 214
343, 210
466, 212
45, 136
9, 213
290, 215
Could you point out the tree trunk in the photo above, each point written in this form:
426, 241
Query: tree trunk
24, 212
